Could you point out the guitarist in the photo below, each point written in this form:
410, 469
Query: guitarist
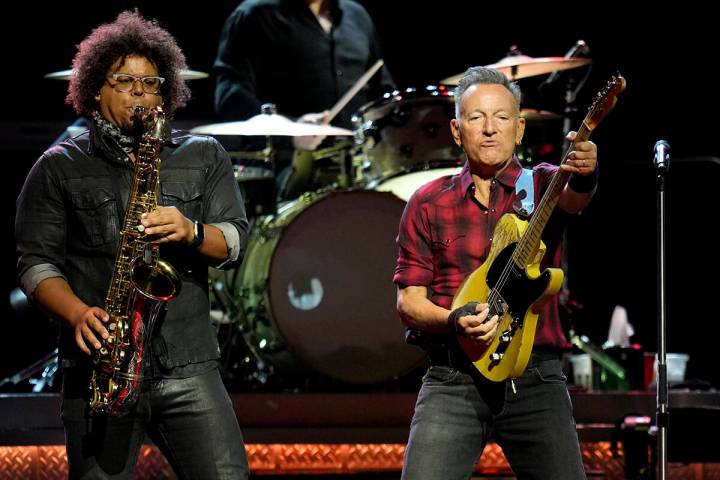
445, 234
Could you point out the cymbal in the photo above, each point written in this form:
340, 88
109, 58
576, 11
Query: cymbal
516, 67
270, 124
186, 74
532, 114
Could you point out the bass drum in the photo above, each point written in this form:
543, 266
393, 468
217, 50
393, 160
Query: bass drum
406, 131
315, 288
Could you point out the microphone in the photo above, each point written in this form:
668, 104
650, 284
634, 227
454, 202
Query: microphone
580, 48
662, 155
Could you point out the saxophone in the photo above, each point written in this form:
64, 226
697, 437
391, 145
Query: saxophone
141, 283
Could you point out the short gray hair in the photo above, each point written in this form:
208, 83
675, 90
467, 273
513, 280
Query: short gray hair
484, 75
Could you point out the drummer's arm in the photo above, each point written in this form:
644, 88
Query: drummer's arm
311, 142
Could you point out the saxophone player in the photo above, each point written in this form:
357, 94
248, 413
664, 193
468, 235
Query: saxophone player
69, 219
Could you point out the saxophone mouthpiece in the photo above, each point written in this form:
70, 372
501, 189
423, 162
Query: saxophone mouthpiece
138, 120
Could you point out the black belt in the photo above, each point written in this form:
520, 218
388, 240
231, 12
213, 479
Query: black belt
455, 358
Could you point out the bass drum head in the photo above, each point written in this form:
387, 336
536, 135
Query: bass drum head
330, 292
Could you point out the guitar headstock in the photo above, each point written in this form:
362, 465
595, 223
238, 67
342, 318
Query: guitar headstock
604, 101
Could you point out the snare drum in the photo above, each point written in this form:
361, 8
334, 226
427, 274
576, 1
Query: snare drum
407, 131
316, 287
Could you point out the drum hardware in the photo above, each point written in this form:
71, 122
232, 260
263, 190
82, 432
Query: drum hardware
241, 361
47, 367
254, 172
326, 167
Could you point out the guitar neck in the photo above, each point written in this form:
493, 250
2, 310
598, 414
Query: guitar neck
530, 242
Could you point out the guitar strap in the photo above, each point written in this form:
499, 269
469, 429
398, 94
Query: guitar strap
524, 203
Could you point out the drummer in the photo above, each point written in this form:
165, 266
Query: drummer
313, 51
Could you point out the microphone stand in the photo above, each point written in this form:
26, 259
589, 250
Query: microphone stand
662, 414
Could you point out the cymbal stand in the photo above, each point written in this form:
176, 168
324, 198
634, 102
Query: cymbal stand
572, 88
269, 109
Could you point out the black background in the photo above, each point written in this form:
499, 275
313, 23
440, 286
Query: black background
667, 54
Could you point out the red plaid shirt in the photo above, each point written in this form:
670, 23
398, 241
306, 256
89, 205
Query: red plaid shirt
445, 234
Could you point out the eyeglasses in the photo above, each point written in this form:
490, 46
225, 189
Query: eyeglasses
126, 82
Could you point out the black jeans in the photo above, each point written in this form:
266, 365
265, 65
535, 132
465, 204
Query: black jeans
458, 411
191, 420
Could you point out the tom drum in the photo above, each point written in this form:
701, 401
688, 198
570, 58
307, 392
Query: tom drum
407, 131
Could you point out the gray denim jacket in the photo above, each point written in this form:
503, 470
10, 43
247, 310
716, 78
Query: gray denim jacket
69, 217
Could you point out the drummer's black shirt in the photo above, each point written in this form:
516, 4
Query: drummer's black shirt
276, 51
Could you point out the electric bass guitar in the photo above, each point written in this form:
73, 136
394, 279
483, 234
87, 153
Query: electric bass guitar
510, 280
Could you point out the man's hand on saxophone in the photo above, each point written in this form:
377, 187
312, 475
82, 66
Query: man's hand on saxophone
88, 323
168, 224
88, 326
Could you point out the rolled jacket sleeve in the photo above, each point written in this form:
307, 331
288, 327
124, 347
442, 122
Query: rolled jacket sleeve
40, 227
34, 275
224, 208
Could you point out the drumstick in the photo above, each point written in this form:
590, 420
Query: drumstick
353, 90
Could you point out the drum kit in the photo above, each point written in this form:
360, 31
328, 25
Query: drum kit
313, 296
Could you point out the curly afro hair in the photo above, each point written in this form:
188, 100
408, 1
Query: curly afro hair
130, 34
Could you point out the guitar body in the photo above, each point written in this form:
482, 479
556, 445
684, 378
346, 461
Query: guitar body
514, 293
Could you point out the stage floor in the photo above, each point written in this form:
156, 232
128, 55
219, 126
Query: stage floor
332, 435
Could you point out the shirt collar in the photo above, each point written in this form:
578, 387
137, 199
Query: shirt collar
507, 177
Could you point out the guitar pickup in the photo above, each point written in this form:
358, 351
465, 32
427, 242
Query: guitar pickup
496, 357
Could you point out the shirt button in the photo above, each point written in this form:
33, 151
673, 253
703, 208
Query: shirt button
493, 210
339, 72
